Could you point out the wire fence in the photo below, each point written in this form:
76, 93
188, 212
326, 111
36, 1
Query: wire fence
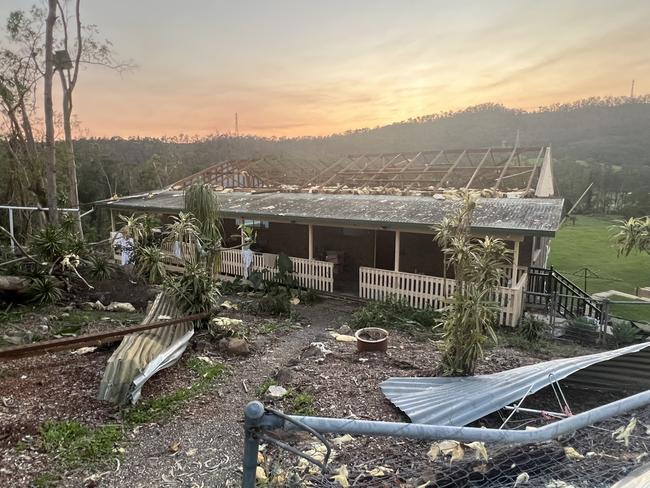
591, 457
597, 454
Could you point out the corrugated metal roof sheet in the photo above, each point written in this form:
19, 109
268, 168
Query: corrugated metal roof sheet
461, 400
523, 215
142, 354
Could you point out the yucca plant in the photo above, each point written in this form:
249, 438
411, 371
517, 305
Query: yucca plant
44, 290
137, 227
100, 267
472, 313
150, 265
632, 235
184, 229
50, 243
194, 291
203, 203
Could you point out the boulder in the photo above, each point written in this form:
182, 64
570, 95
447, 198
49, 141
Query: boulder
234, 345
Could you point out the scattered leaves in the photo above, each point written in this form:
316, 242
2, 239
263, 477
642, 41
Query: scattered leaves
622, 434
341, 476
572, 454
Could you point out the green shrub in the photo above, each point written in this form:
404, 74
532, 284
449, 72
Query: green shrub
100, 267
582, 331
275, 302
44, 290
625, 333
149, 264
531, 329
397, 315
195, 291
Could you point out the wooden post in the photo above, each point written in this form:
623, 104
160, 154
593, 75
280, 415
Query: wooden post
515, 263
374, 251
112, 221
397, 249
11, 228
311, 241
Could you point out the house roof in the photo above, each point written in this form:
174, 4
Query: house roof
529, 216
494, 170
460, 401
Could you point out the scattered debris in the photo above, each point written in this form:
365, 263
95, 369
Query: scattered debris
275, 392
120, 307
622, 434
572, 454
83, 350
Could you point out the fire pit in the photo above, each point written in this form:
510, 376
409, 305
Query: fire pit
371, 339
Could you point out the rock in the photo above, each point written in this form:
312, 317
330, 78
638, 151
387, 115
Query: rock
346, 338
344, 329
275, 392
120, 307
86, 306
315, 350
234, 345
283, 376
65, 315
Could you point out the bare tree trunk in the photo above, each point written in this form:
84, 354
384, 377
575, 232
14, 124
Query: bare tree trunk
49, 112
73, 192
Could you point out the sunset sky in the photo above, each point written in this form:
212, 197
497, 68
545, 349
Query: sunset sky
310, 68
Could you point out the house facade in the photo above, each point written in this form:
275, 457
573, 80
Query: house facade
363, 225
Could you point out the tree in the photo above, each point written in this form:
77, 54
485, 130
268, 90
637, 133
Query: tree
477, 266
48, 109
87, 49
20, 72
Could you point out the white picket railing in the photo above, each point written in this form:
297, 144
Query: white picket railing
308, 273
423, 291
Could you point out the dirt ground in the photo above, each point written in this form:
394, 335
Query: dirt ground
207, 434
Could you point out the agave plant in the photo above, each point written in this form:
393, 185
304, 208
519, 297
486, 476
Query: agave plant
100, 267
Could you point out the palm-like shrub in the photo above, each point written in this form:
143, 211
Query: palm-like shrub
195, 291
44, 290
632, 235
473, 311
149, 264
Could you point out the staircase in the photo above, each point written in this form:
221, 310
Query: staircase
549, 290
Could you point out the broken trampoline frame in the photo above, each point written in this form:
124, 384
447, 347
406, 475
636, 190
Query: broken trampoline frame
260, 420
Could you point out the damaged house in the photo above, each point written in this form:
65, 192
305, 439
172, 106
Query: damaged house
362, 225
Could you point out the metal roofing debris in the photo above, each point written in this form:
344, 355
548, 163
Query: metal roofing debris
459, 401
525, 216
141, 355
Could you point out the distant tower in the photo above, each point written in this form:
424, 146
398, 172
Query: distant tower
632, 90
236, 125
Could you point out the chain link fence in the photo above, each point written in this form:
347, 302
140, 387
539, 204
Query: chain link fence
595, 455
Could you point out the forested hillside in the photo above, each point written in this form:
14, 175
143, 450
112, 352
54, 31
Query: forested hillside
604, 140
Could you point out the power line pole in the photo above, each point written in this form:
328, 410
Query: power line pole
632, 90
236, 125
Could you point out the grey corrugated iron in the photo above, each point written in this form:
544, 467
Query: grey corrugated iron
539, 216
141, 355
461, 400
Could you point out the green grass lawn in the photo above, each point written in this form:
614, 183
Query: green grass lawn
630, 311
588, 244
